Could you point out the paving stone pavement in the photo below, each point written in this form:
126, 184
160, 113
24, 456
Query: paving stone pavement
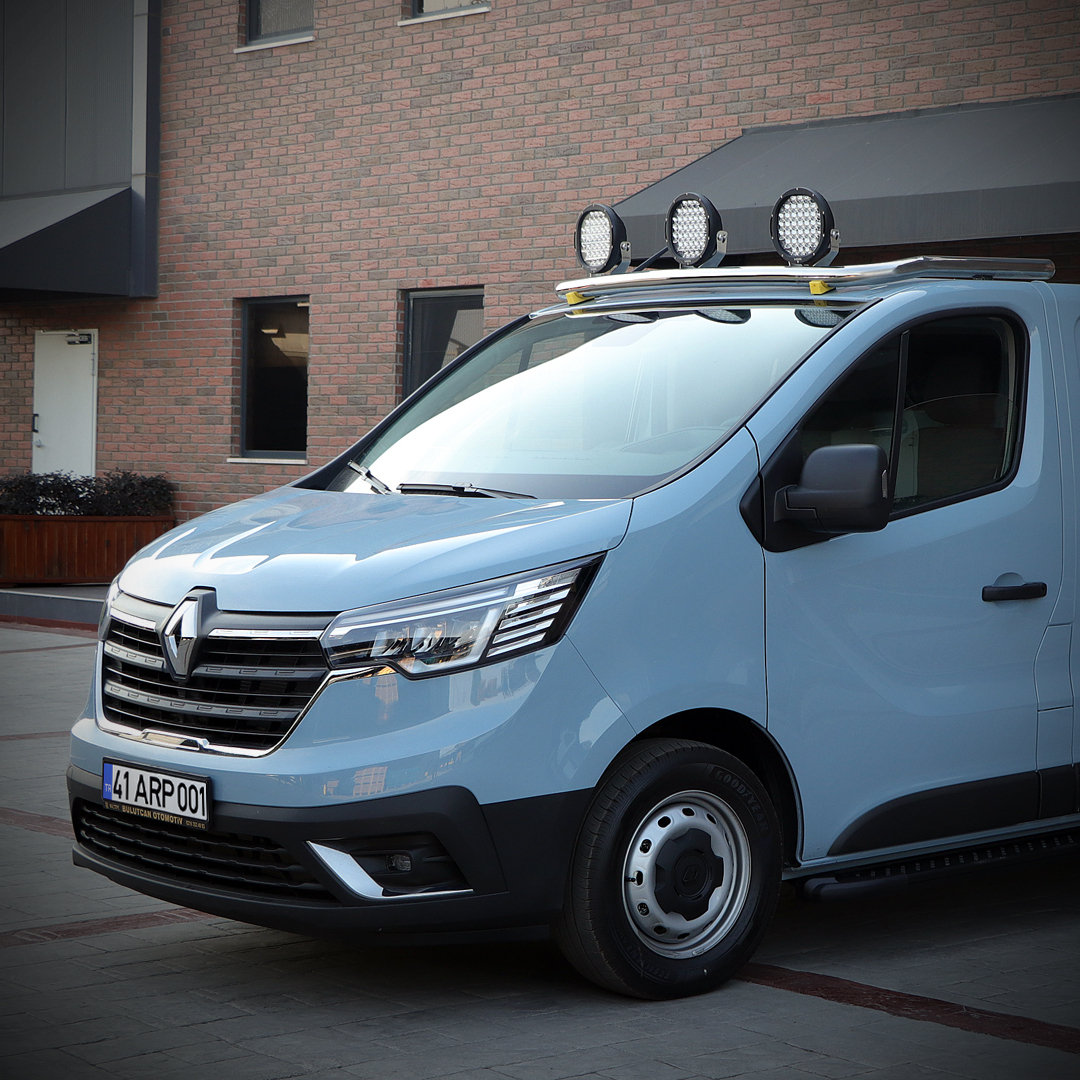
973, 978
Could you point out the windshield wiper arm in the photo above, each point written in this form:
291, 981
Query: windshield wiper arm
461, 489
371, 478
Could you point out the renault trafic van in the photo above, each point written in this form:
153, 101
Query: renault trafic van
698, 580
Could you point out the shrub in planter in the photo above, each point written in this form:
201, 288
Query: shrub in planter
57, 528
117, 494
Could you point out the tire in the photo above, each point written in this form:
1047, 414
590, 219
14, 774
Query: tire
676, 872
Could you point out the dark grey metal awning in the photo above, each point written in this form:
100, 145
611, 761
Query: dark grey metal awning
73, 242
971, 172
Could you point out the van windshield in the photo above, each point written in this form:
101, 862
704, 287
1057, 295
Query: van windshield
587, 406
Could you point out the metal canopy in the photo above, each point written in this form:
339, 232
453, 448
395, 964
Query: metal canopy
971, 172
76, 242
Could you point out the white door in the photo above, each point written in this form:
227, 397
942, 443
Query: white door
65, 401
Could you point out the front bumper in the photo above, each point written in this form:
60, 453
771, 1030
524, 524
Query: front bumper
332, 870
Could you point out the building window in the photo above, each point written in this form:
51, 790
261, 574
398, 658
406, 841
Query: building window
269, 20
436, 7
274, 416
440, 325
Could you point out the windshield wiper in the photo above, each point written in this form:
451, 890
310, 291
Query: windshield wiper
461, 489
371, 478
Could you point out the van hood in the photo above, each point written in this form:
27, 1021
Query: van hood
298, 550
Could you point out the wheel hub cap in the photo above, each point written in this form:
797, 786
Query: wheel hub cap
687, 871
686, 874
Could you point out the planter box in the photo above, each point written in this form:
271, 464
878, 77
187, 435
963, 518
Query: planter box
61, 550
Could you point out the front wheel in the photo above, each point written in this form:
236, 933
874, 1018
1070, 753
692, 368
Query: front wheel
676, 872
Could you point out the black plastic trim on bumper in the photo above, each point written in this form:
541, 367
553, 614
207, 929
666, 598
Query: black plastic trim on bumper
514, 856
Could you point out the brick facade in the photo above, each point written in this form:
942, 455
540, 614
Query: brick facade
380, 157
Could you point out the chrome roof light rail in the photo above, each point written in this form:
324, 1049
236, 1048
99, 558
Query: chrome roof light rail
853, 277
920, 266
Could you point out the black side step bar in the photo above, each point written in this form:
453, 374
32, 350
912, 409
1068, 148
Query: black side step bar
892, 877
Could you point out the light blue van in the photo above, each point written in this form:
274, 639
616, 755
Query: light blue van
696, 581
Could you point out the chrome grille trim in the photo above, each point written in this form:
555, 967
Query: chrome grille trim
177, 742
195, 708
251, 684
133, 620
133, 656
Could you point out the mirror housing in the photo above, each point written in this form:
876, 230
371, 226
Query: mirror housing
842, 489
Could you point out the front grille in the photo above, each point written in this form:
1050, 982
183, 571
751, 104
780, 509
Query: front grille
245, 693
247, 864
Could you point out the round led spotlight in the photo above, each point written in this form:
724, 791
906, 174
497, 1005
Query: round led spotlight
802, 226
598, 238
692, 227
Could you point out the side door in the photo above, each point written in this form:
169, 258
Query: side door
901, 663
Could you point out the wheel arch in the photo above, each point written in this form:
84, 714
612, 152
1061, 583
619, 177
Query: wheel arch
741, 737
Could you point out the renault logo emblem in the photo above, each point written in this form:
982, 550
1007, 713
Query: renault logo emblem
180, 636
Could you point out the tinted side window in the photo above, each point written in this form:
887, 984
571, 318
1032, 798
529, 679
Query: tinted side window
860, 408
961, 405
941, 399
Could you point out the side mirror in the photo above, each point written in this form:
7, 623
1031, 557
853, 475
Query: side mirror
842, 489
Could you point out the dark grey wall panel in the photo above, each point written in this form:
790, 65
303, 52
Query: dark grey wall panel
79, 118
2, 38
98, 132
34, 96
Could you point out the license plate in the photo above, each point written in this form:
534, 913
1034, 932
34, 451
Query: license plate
159, 796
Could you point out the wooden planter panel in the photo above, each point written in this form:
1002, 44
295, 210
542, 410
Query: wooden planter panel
71, 550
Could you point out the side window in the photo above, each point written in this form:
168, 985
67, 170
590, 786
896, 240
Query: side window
942, 400
860, 408
962, 405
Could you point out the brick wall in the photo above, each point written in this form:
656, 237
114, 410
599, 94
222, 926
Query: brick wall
379, 158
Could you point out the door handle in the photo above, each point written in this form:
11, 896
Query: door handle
33, 422
1030, 590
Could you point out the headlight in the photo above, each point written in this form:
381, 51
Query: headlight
458, 628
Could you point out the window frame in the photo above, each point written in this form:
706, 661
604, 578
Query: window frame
412, 12
1022, 362
247, 306
409, 362
785, 465
284, 37
416, 9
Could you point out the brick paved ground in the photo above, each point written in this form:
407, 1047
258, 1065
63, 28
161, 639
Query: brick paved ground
96, 981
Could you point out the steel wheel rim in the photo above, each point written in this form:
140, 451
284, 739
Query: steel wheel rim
686, 874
